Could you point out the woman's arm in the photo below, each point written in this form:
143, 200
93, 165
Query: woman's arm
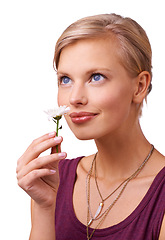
43, 222
38, 177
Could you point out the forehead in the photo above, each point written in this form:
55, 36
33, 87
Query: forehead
89, 52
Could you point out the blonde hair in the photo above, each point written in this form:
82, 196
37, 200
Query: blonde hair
135, 48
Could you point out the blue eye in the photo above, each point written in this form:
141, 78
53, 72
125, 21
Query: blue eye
97, 77
65, 80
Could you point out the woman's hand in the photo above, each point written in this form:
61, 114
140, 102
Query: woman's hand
38, 175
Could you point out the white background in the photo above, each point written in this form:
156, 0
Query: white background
28, 32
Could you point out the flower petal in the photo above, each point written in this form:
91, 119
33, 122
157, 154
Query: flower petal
57, 112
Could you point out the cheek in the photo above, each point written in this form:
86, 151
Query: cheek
116, 103
109, 99
61, 98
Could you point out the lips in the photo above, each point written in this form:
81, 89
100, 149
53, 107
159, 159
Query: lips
81, 117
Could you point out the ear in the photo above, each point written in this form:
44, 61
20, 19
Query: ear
142, 84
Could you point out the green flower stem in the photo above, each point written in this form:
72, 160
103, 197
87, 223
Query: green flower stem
57, 128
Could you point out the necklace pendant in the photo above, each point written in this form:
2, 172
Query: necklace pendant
90, 222
101, 205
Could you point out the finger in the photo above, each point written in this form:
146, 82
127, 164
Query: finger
44, 137
27, 181
41, 162
54, 149
35, 150
37, 141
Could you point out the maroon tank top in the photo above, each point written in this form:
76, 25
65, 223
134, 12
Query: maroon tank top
143, 223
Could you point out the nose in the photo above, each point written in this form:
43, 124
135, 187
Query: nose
78, 95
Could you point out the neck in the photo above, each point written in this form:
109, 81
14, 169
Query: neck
119, 155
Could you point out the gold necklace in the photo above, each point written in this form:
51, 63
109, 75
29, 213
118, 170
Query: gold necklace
98, 213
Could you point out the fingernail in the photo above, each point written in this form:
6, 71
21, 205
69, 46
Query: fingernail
52, 171
58, 139
62, 155
51, 134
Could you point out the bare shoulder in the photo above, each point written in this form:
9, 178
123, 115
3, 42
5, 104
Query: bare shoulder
159, 159
160, 156
156, 164
85, 164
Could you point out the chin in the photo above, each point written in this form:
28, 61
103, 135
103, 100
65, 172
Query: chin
81, 132
82, 135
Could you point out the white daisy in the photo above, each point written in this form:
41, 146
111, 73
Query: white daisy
57, 113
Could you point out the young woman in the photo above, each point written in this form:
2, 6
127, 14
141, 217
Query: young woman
104, 74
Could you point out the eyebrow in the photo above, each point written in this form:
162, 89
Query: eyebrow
62, 74
98, 70
92, 70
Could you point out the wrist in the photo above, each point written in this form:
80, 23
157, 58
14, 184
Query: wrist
43, 222
43, 207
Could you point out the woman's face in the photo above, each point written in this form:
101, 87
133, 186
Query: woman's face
96, 87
